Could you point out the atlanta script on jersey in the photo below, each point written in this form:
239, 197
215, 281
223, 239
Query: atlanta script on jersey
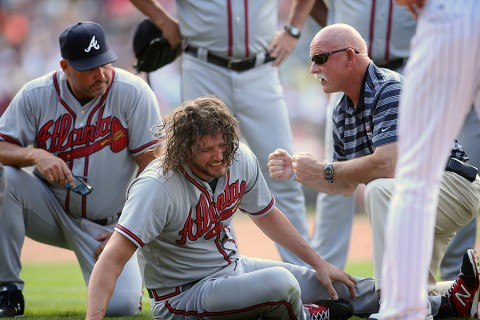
182, 228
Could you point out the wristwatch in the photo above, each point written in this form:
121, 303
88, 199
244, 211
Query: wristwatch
293, 31
328, 172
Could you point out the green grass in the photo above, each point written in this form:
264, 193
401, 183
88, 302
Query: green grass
360, 269
57, 291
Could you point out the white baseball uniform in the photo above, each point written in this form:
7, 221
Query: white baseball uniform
97, 140
189, 259
443, 75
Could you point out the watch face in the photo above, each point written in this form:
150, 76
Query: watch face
294, 31
328, 172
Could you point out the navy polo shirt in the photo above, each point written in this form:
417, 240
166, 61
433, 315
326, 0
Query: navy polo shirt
357, 132
373, 123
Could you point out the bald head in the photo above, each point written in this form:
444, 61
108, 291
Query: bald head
339, 35
340, 59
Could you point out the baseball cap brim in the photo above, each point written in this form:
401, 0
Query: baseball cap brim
94, 62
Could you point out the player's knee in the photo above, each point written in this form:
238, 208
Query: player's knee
378, 190
281, 285
17, 178
374, 187
124, 305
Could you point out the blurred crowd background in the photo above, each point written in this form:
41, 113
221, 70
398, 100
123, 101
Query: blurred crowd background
29, 47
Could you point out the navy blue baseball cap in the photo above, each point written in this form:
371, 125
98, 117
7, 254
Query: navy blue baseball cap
84, 46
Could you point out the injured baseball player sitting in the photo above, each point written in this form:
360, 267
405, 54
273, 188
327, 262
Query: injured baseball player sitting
177, 218
365, 144
70, 142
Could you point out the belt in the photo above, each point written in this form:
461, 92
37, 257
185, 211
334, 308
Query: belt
392, 64
104, 222
232, 64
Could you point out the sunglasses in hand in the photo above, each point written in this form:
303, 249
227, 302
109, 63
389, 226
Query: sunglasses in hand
321, 58
82, 188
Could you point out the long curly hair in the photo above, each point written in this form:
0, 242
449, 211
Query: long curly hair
192, 120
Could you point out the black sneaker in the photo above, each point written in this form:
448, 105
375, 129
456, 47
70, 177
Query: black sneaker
11, 301
461, 300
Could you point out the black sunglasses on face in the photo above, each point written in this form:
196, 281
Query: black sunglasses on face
321, 58
83, 188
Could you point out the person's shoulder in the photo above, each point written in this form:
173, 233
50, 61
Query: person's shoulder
243, 150
125, 80
44, 81
153, 171
244, 156
386, 75
152, 177
380, 79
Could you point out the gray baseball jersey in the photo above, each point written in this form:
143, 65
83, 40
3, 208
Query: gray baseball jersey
386, 27
239, 30
236, 29
179, 217
98, 140
104, 133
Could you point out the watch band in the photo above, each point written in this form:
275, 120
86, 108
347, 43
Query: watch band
293, 31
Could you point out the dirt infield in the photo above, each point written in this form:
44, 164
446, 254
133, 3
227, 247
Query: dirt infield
251, 242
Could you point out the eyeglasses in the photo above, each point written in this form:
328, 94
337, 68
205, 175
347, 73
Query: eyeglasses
83, 188
321, 58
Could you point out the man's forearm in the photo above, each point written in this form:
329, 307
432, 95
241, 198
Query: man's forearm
100, 289
300, 11
154, 10
321, 185
16, 156
319, 13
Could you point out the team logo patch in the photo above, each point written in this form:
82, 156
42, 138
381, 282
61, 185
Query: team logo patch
93, 44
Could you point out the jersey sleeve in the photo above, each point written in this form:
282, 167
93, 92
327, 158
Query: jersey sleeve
257, 199
146, 210
385, 115
18, 123
142, 114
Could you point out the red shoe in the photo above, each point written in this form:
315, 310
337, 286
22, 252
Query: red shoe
317, 312
464, 293
340, 309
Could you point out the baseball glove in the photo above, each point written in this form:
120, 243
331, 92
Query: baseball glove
151, 49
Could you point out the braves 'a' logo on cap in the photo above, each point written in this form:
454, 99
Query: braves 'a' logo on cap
93, 44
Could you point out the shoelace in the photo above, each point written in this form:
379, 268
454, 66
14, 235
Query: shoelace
316, 314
